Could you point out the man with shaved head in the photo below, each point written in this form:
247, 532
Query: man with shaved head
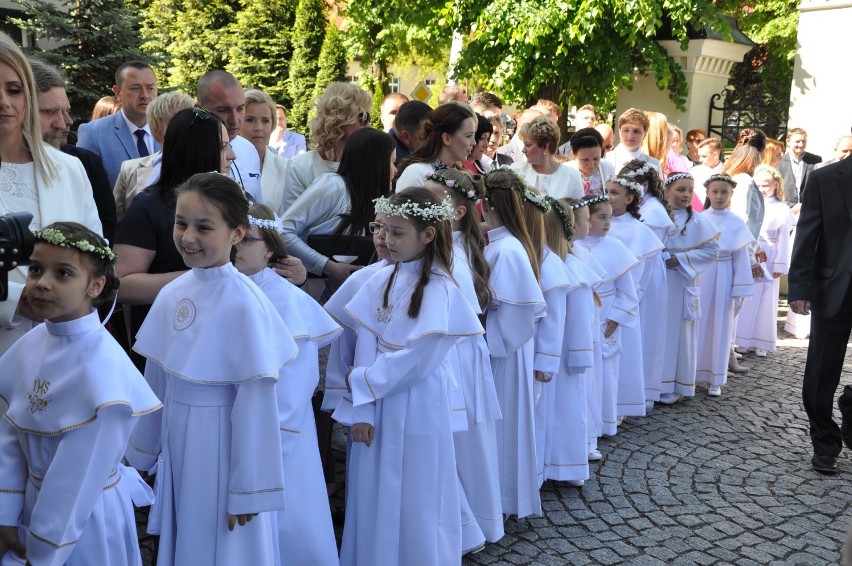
842, 149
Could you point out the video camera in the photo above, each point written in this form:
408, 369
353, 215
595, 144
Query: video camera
16, 246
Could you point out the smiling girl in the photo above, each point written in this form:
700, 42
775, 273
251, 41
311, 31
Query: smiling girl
216, 449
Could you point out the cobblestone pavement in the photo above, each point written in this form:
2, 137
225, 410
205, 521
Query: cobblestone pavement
707, 481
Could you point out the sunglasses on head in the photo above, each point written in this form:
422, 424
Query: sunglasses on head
200, 113
364, 118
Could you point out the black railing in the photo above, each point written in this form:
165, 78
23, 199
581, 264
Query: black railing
727, 117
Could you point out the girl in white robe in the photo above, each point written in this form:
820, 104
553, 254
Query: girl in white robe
402, 504
305, 529
216, 449
70, 398
476, 446
691, 247
591, 271
516, 303
619, 309
566, 448
757, 325
725, 284
649, 276
655, 214
550, 330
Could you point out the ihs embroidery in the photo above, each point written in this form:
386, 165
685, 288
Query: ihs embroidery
383, 314
38, 398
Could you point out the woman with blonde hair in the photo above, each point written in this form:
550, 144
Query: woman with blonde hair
541, 170
658, 144
34, 177
341, 110
257, 127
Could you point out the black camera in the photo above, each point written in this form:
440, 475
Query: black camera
16, 246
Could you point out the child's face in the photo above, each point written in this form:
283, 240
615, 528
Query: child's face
766, 184
719, 195
619, 198
581, 223
252, 252
59, 284
379, 235
679, 193
404, 242
201, 234
600, 219
631, 135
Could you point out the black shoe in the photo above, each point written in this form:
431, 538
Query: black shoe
824, 463
844, 403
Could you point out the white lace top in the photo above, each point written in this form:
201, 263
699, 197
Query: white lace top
18, 190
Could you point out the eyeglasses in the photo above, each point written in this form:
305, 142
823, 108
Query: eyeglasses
364, 118
248, 240
200, 113
376, 227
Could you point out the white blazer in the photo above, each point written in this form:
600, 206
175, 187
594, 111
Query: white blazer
272, 179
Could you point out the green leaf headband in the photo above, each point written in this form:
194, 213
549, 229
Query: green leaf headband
469, 193
559, 211
57, 238
433, 212
538, 200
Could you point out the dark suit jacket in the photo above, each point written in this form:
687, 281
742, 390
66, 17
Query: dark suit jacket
101, 189
791, 195
821, 268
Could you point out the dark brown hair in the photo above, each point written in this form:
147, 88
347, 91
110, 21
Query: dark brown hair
270, 236
223, 192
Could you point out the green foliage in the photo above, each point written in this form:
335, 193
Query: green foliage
260, 48
574, 51
96, 37
308, 36
333, 61
765, 76
192, 37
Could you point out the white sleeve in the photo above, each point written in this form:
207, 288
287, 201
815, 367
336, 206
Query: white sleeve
550, 331
13, 476
146, 443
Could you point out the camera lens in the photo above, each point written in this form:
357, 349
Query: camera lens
16, 245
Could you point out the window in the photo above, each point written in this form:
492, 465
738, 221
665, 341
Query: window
429, 82
393, 84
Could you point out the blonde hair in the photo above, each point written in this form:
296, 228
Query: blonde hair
715, 144
655, 142
547, 106
543, 131
634, 116
255, 96
162, 108
340, 105
554, 230
105, 106
776, 176
31, 125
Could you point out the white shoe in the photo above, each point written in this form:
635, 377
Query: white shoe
714, 391
576, 483
595, 455
619, 420
670, 398
739, 350
760, 352
649, 404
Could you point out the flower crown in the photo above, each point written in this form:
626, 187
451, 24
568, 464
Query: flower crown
263, 223
469, 194
538, 200
677, 177
641, 172
720, 177
559, 211
591, 201
627, 183
57, 238
436, 212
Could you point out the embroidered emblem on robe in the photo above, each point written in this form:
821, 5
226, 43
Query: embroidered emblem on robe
39, 398
383, 314
184, 315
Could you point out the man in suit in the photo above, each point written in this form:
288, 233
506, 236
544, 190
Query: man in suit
54, 113
407, 130
842, 149
220, 93
796, 165
819, 284
125, 134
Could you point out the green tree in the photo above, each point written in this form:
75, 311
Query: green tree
261, 45
95, 36
308, 36
191, 36
333, 61
572, 51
